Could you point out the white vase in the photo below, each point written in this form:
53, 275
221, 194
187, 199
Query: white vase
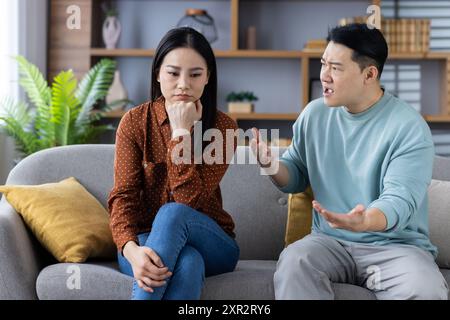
111, 32
117, 91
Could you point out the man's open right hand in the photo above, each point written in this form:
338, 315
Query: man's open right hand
260, 149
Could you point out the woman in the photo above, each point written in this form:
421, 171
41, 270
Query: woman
167, 218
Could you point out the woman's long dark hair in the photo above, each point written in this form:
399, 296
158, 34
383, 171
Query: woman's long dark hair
185, 37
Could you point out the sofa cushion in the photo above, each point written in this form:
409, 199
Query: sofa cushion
344, 291
258, 208
66, 219
251, 280
299, 219
90, 281
102, 281
91, 164
439, 217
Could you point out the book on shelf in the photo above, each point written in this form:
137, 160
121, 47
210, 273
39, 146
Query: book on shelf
407, 35
315, 45
402, 35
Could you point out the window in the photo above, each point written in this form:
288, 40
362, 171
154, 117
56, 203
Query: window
8, 48
403, 80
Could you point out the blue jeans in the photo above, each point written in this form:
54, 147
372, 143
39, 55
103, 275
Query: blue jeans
191, 245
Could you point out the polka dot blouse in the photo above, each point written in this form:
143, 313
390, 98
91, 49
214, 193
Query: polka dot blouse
145, 177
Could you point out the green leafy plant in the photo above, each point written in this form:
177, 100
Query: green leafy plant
110, 9
241, 96
63, 114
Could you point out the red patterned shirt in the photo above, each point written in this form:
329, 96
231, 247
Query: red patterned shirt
145, 178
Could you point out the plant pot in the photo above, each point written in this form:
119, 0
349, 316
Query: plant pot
240, 107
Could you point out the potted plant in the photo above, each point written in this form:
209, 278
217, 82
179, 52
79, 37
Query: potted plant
63, 114
241, 102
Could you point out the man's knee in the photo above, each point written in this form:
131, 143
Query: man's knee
292, 261
423, 288
430, 289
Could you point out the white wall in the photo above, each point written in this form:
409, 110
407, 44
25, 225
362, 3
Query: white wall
31, 43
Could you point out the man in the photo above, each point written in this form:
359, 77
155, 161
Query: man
368, 157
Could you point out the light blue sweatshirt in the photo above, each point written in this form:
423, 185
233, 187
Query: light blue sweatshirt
381, 158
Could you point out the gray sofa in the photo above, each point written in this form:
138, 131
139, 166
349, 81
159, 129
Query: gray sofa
27, 271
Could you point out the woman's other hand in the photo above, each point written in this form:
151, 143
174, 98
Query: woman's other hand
148, 269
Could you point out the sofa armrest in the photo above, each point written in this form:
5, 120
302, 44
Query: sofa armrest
19, 261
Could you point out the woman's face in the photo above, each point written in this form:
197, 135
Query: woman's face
183, 75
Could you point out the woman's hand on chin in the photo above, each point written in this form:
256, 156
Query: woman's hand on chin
183, 115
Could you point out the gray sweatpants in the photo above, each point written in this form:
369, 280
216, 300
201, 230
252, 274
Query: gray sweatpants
307, 267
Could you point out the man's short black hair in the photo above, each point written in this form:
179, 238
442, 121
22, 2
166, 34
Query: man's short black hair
368, 45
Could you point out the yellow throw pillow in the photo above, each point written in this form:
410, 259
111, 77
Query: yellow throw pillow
299, 216
66, 219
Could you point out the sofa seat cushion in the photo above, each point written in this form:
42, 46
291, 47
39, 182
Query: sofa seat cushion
252, 279
344, 291
100, 280
97, 281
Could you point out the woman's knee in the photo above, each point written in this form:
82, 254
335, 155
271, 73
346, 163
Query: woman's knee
172, 214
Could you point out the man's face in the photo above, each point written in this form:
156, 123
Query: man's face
341, 77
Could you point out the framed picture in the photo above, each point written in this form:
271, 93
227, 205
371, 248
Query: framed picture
315, 89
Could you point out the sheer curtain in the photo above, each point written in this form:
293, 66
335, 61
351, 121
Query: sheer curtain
9, 46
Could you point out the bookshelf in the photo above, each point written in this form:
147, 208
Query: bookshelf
280, 116
235, 116
80, 49
278, 54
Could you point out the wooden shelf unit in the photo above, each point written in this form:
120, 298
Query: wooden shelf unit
264, 116
280, 116
437, 118
439, 55
278, 54
73, 49
235, 116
